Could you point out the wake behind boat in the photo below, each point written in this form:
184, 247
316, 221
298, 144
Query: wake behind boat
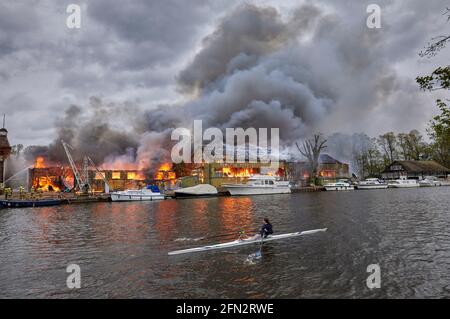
248, 241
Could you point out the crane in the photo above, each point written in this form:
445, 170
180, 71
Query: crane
82, 183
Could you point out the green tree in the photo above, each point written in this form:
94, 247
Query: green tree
439, 132
411, 145
439, 128
388, 145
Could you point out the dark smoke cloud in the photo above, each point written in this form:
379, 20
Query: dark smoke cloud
315, 68
99, 130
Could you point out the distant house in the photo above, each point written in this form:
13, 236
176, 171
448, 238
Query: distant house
415, 170
330, 169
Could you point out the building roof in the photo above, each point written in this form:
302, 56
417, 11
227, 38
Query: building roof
323, 159
419, 166
327, 159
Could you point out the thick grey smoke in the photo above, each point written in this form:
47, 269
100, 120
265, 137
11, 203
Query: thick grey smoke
311, 71
102, 131
259, 69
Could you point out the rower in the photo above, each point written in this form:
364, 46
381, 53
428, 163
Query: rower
266, 228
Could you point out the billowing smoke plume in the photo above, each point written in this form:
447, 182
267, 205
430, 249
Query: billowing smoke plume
303, 74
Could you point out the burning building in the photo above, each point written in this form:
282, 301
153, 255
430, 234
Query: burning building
329, 170
117, 180
217, 174
56, 178
49, 178
165, 177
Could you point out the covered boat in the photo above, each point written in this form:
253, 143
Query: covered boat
201, 190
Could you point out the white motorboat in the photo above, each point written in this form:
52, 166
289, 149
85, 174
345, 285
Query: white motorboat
150, 193
259, 185
201, 190
430, 181
403, 183
339, 186
372, 183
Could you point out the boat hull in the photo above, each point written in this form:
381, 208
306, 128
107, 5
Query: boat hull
241, 242
136, 198
403, 185
24, 204
202, 190
190, 195
243, 190
339, 188
367, 187
436, 184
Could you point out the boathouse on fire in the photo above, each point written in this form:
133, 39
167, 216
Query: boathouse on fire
415, 170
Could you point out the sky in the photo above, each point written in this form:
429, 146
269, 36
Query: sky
144, 67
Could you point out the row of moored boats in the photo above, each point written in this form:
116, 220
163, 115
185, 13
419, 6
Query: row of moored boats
255, 185
266, 185
375, 183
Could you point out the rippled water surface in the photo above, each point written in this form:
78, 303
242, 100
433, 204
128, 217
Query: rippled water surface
122, 247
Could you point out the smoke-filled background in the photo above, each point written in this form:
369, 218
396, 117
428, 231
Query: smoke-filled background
116, 88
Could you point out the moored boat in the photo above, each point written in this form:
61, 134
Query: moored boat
259, 185
30, 203
201, 190
339, 186
430, 181
403, 183
150, 193
372, 183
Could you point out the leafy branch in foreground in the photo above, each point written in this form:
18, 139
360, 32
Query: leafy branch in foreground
438, 80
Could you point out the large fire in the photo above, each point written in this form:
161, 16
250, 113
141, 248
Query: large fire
39, 162
165, 173
44, 183
238, 172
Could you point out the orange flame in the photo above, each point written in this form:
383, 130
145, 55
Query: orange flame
45, 184
39, 162
165, 173
237, 172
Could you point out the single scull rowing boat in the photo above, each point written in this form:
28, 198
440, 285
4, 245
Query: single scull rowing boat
241, 242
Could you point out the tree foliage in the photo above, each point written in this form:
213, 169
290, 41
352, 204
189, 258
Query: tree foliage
439, 127
439, 132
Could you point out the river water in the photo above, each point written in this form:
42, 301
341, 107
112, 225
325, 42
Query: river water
122, 248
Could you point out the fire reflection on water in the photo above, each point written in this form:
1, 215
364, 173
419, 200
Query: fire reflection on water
165, 218
120, 223
236, 214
